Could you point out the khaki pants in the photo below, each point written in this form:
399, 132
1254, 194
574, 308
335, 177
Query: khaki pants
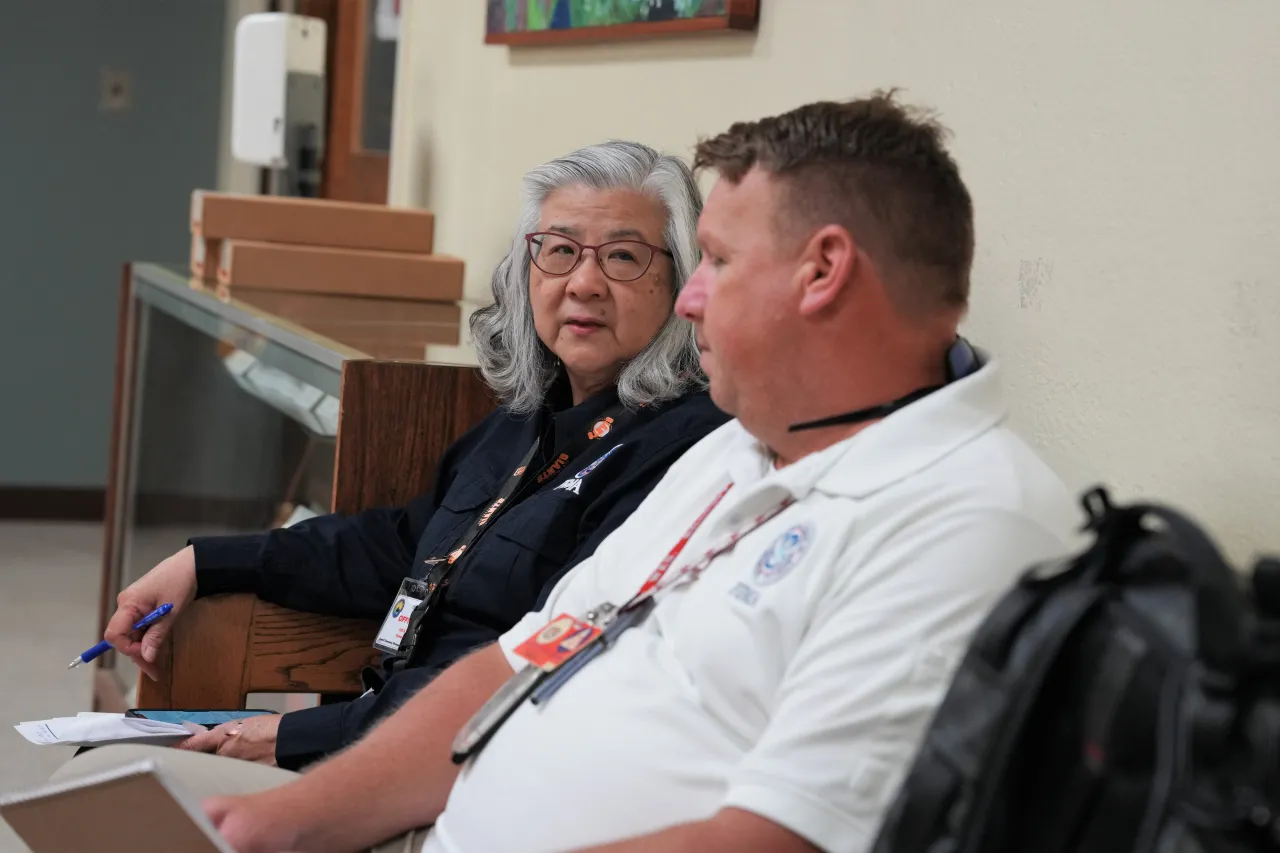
204, 775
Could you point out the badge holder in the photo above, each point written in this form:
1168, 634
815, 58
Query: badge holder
396, 626
477, 731
555, 648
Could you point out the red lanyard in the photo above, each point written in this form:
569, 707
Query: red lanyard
539, 685
656, 577
654, 583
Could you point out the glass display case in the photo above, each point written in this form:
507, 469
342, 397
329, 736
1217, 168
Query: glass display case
229, 419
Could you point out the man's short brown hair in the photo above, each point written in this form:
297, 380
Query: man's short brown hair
878, 168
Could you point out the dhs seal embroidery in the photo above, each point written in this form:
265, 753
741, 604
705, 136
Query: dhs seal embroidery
783, 555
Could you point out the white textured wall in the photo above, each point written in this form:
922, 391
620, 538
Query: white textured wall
1124, 157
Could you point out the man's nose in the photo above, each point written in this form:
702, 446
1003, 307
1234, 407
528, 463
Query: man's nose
588, 281
693, 297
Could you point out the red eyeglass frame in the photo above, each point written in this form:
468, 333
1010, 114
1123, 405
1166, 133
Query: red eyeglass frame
582, 253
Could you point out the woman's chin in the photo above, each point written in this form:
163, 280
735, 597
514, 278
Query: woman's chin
592, 364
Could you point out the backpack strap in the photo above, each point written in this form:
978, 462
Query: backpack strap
956, 774
1221, 603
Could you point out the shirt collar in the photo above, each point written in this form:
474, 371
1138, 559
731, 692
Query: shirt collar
908, 441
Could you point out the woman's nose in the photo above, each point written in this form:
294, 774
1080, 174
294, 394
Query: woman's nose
588, 280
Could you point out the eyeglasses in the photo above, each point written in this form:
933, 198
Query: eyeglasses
620, 260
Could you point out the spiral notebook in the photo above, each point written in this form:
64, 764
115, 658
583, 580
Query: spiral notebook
133, 809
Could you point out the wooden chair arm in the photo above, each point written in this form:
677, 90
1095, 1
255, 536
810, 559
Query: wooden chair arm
227, 646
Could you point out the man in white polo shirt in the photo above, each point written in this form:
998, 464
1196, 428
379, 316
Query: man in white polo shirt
798, 589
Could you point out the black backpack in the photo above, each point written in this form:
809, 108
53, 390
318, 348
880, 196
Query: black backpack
1126, 699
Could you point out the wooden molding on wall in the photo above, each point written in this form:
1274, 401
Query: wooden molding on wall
350, 172
118, 450
55, 503
52, 503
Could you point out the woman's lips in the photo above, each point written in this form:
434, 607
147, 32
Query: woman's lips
583, 326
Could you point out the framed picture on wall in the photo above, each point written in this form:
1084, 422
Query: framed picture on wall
540, 22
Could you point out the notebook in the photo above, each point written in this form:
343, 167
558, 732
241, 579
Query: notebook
132, 809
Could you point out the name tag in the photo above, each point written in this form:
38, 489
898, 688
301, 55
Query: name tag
557, 641
411, 595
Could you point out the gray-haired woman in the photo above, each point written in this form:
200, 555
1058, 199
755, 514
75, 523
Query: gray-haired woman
601, 392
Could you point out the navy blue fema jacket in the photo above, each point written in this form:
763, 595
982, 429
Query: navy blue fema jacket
353, 565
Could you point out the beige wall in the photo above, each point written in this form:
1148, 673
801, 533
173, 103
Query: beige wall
1124, 157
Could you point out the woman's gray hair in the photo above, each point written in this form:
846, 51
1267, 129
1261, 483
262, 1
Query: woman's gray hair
514, 362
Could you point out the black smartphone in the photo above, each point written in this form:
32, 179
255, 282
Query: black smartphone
208, 719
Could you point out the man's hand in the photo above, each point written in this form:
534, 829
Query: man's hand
172, 581
253, 824
329, 809
250, 739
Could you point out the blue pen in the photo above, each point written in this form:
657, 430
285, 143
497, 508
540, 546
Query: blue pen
147, 621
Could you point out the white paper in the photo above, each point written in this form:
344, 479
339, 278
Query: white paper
90, 729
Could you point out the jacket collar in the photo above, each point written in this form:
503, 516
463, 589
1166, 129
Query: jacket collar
566, 419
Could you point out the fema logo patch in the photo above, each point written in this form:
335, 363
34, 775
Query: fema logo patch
574, 483
783, 555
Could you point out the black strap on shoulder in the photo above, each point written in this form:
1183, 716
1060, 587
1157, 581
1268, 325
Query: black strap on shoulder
952, 794
952, 786
1220, 601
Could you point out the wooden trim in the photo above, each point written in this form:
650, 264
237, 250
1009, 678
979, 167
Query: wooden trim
50, 503
743, 14
160, 509
740, 15
350, 172
355, 32
342, 92
116, 465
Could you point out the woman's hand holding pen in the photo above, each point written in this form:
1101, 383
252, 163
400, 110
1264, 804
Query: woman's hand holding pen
173, 580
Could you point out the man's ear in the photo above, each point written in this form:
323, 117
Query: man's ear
828, 264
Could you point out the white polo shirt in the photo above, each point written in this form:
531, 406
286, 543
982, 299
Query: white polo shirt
796, 677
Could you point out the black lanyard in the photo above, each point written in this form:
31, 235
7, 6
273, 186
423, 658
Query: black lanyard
442, 569
571, 447
871, 413
961, 360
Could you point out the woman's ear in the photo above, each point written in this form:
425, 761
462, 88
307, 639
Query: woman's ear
827, 268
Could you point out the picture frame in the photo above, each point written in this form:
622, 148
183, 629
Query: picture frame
522, 23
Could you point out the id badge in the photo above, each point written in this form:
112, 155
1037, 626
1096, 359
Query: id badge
557, 641
477, 730
410, 597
